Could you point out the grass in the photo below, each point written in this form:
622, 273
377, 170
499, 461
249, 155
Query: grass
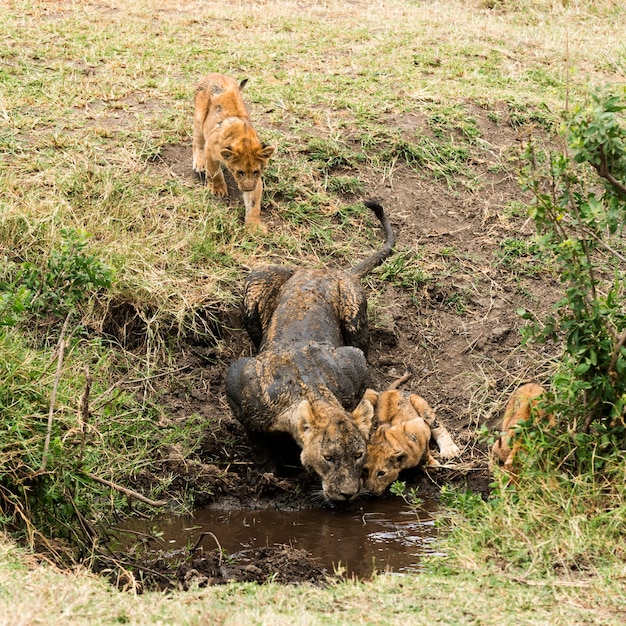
486, 596
92, 97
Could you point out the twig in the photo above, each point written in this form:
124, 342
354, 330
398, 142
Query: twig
83, 408
202, 536
129, 492
603, 170
61, 349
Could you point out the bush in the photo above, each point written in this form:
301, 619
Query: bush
580, 220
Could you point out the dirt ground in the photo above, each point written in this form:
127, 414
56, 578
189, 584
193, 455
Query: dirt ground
459, 337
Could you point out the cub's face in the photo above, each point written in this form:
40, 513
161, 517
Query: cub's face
246, 162
334, 445
394, 448
383, 465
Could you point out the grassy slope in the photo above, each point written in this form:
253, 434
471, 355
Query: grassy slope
91, 94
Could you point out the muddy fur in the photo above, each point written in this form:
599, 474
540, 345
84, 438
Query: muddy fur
307, 380
405, 424
223, 135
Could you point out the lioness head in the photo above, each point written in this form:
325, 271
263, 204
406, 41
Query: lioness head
334, 445
246, 158
394, 448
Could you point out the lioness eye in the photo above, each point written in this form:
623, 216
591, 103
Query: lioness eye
358, 455
328, 457
381, 473
239, 172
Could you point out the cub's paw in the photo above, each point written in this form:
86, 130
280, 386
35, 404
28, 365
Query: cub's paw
198, 164
449, 451
256, 226
219, 188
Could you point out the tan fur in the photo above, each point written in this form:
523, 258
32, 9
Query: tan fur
406, 424
223, 134
521, 406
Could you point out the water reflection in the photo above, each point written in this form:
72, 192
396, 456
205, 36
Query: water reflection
382, 535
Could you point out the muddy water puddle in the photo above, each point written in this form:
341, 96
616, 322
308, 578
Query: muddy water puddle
381, 536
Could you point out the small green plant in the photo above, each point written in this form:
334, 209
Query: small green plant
410, 497
330, 154
345, 184
404, 269
69, 276
521, 256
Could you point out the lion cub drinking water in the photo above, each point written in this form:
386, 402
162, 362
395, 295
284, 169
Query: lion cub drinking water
223, 134
406, 424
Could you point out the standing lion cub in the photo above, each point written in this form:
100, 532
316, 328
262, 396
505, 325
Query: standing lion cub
223, 135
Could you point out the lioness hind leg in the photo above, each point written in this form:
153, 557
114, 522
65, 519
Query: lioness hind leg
261, 294
447, 448
353, 314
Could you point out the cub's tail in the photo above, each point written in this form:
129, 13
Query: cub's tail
366, 266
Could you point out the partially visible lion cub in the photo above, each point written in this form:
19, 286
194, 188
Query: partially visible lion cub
223, 134
522, 406
406, 424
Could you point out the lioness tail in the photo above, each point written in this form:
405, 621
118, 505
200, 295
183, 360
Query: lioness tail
366, 266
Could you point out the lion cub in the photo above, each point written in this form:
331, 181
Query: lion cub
522, 405
223, 134
406, 424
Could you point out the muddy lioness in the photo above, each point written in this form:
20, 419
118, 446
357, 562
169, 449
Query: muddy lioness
310, 327
521, 406
405, 425
223, 134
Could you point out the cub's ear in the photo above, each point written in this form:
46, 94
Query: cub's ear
304, 419
371, 396
266, 152
362, 416
243, 83
227, 153
398, 458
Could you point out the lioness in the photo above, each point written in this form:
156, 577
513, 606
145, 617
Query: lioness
401, 440
223, 133
310, 327
521, 406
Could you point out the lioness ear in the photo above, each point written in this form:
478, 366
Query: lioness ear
304, 418
227, 153
266, 152
362, 417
